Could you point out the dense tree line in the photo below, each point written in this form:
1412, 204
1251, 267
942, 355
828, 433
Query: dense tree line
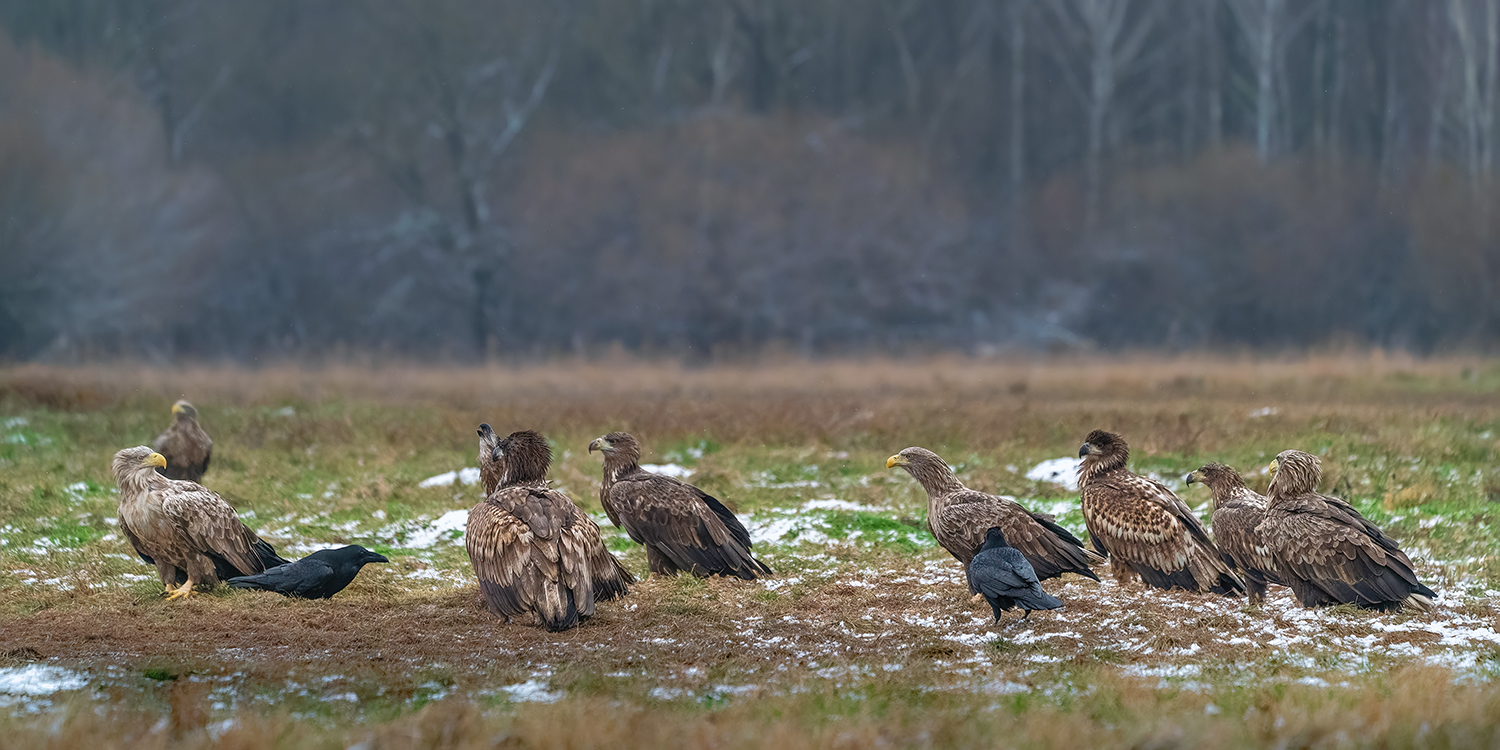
280, 178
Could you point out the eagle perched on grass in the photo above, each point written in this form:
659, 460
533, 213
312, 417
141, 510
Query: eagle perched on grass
1238, 510
186, 530
184, 444
532, 549
960, 517
682, 527
1326, 551
1147, 531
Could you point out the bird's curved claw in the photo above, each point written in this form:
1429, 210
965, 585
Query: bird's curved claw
181, 593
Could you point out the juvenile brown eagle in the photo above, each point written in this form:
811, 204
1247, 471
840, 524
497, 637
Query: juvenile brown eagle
959, 517
532, 549
682, 527
1238, 510
184, 444
1144, 528
1326, 551
186, 530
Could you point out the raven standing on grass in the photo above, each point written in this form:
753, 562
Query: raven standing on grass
317, 576
1002, 574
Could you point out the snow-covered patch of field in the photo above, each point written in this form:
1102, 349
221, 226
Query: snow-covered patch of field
27, 683
669, 470
1059, 471
467, 475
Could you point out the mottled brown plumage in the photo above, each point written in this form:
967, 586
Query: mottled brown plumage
186, 530
1328, 553
959, 518
1147, 531
533, 550
1238, 510
682, 527
184, 444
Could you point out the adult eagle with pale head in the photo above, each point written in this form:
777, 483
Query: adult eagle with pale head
186, 530
960, 517
533, 550
1147, 531
1326, 551
1238, 510
682, 527
184, 444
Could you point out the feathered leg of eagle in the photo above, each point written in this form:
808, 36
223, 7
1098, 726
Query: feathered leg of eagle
181, 593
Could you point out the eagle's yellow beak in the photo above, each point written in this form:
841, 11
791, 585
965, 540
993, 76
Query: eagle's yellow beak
896, 460
1272, 467
156, 459
177, 408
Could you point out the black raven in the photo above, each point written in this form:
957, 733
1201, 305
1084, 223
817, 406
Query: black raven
317, 576
1002, 574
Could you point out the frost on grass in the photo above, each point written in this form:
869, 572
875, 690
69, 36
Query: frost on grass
1060, 471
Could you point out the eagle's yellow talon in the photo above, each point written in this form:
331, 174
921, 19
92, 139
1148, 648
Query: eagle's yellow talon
181, 593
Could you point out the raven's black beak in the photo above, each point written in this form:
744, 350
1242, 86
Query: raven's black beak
374, 557
1083, 450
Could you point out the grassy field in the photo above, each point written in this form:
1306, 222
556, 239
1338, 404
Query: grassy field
866, 637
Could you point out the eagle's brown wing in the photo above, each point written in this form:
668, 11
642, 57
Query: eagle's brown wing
611, 578
1140, 523
211, 528
531, 555
135, 541
683, 527
1328, 556
187, 449
1051, 549
1236, 532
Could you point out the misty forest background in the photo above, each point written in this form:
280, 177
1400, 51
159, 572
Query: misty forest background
280, 179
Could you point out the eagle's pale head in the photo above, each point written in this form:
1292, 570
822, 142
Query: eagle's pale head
1294, 472
616, 443
926, 467
184, 410
130, 461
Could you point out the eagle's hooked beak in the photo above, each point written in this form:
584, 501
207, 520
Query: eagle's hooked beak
1085, 449
155, 459
485, 429
496, 454
1191, 477
598, 444
896, 460
1272, 467
177, 408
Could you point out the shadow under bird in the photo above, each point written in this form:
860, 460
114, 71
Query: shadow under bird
1002, 575
317, 576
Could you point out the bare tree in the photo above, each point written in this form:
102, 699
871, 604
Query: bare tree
1114, 37
1476, 29
471, 92
1268, 28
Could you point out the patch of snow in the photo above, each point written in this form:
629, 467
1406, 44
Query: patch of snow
1063, 471
466, 475
15, 422
532, 691
445, 528
1264, 411
39, 679
668, 470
